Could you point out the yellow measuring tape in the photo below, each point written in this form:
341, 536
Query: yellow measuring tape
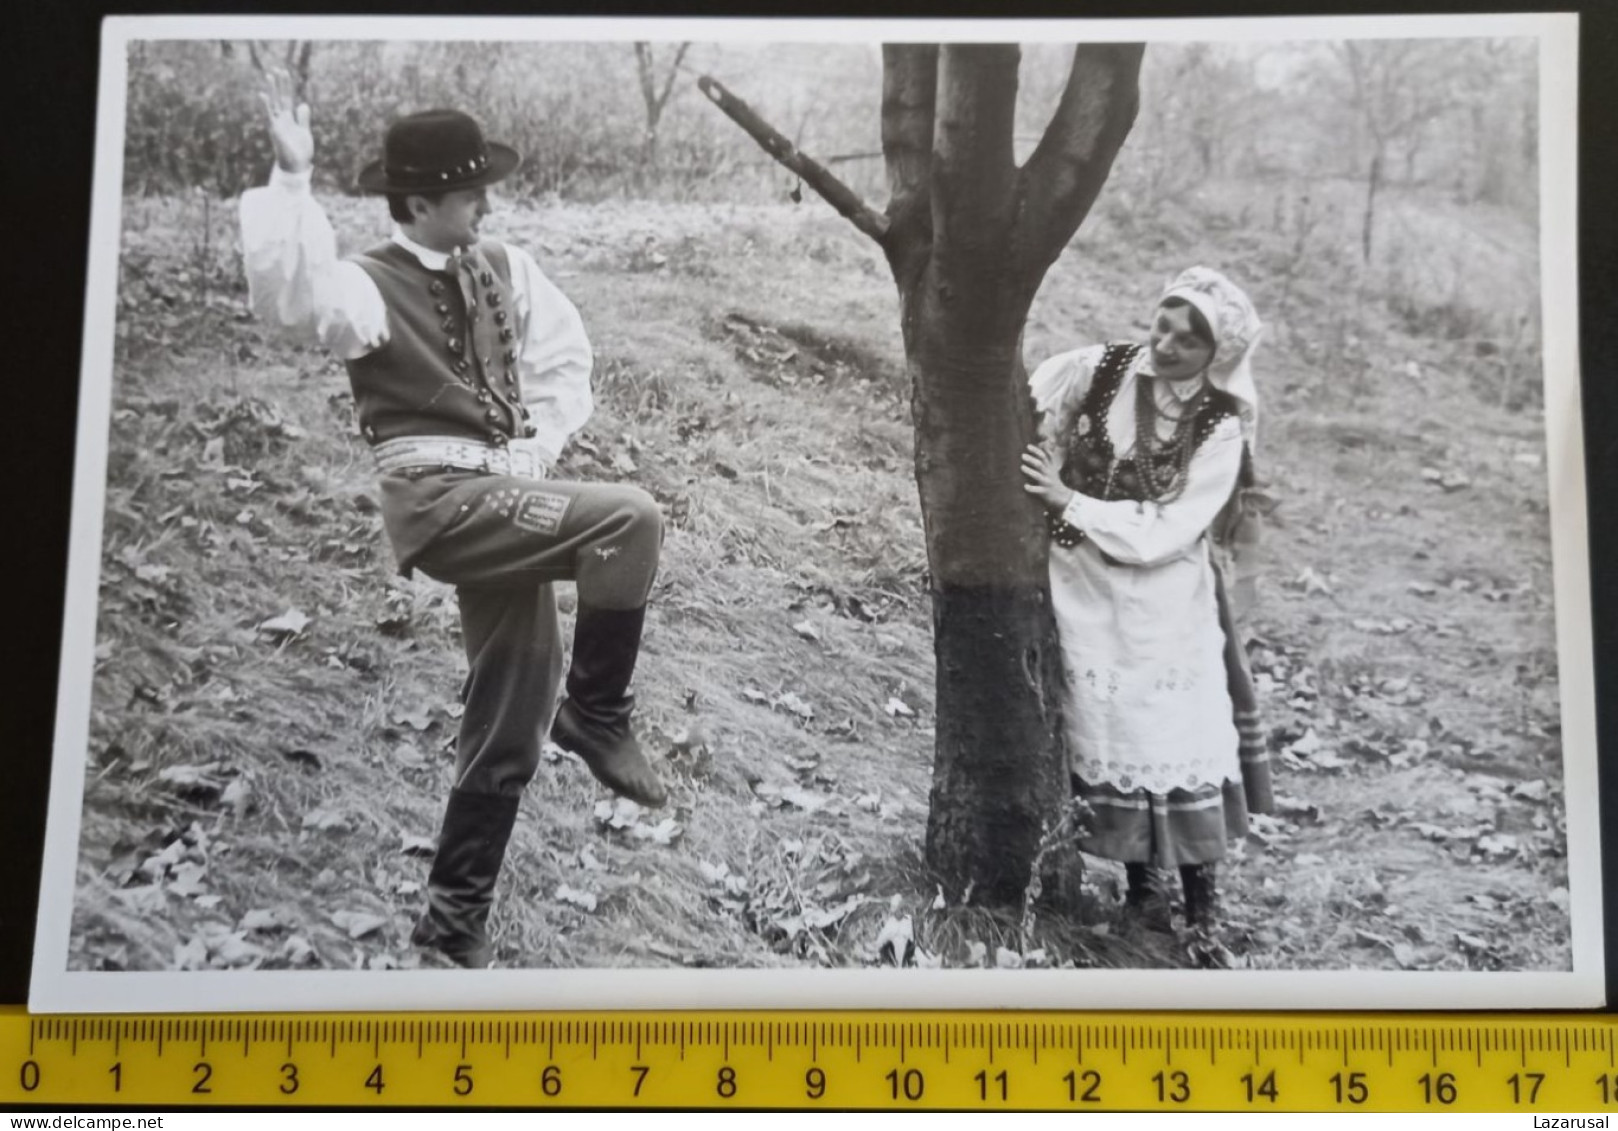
870, 1060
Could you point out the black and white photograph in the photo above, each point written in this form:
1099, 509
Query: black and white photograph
601, 513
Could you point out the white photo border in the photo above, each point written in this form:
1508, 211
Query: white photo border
57, 989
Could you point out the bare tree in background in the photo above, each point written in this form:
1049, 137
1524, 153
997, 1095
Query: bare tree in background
1395, 96
654, 98
969, 236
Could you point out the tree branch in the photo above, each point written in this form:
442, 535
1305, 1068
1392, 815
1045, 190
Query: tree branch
909, 89
974, 166
674, 70
816, 176
1063, 176
643, 69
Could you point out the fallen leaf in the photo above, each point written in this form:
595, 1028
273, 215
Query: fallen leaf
806, 630
1307, 745
238, 794
803, 799
819, 919
713, 873
665, 832
418, 845
234, 952
897, 708
290, 623
192, 779
791, 701
187, 879
191, 955
578, 898
1007, 959
358, 924
260, 919
754, 695
323, 819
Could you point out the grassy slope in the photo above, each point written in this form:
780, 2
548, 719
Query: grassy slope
251, 795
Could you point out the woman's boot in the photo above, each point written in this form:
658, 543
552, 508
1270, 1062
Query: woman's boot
1200, 894
1140, 887
460, 887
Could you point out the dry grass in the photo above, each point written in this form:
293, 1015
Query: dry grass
749, 370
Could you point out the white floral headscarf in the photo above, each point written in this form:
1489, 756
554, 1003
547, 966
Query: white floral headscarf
1237, 329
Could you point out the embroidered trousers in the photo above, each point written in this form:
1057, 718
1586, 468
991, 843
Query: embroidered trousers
505, 544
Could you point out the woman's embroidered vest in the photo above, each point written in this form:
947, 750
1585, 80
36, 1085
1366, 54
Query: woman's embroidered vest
1091, 467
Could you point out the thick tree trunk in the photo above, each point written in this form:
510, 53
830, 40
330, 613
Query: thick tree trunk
997, 773
969, 236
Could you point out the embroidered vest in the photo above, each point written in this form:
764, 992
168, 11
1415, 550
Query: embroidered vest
445, 370
1091, 467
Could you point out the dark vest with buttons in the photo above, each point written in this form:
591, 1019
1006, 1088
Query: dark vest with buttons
1091, 467
445, 370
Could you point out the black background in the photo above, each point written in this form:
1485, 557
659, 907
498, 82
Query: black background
47, 142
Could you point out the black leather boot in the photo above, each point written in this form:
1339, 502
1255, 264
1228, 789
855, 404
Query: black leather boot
1200, 895
1141, 886
460, 887
593, 721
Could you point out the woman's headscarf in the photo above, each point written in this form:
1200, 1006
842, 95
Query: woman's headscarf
1236, 328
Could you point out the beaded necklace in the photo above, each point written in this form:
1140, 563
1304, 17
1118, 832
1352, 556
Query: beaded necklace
1160, 486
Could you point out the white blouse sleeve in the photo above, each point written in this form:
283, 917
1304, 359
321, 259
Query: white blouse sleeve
555, 359
295, 280
1153, 533
1059, 383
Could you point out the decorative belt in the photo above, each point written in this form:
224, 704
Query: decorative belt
449, 452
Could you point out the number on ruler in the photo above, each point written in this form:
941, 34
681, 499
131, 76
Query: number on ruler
1440, 1087
204, 1072
289, 1078
1092, 1087
550, 1080
726, 1085
640, 1071
117, 1071
463, 1079
1532, 1081
984, 1079
911, 1084
28, 1077
1608, 1084
1265, 1087
1350, 1088
374, 1080
1172, 1087
814, 1083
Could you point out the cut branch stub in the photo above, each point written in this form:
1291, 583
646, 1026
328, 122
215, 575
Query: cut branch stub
847, 202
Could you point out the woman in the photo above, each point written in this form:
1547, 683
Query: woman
1143, 447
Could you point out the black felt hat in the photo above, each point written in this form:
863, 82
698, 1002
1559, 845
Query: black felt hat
437, 151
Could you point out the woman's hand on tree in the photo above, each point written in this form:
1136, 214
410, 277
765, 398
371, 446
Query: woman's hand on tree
1044, 478
289, 125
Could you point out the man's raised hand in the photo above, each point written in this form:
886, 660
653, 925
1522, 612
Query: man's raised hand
289, 127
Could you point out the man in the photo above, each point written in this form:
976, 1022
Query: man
470, 370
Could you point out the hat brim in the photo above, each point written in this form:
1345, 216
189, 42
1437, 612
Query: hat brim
503, 161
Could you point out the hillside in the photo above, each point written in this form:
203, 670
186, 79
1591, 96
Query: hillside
274, 706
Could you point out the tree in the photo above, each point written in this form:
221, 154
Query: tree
969, 236
1396, 91
654, 99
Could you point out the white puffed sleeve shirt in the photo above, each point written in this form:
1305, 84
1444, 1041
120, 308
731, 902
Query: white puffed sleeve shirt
297, 282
